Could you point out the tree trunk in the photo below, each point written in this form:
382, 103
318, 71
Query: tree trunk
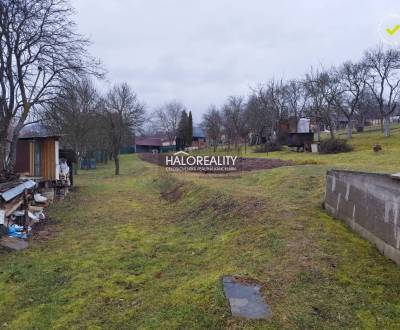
12, 156
3, 150
78, 163
386, 126
12, 153
318, 133
361, 122
116, 161
382, 126
350, 130
332, 131
4, 143
215, 146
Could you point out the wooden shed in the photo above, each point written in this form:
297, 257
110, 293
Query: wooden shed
38, 153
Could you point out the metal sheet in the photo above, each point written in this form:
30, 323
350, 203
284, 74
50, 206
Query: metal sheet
14, 192
245, 299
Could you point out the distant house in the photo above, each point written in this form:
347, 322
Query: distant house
154, 144
199, 140
38, 153
159, 143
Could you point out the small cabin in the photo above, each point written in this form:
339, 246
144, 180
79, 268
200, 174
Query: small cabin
154, 144
38, 153
199, 139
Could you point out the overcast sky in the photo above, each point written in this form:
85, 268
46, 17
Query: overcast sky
202, 51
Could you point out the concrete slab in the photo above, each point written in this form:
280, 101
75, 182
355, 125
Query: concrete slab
13, 243
245, 299
396, 176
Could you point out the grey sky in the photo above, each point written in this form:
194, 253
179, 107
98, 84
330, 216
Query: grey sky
200, 52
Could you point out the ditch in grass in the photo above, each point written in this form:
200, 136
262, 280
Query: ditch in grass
123, 256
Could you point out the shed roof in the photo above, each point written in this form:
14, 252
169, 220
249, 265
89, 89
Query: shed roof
198, 132
36, 131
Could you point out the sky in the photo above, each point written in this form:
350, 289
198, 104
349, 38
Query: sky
200, 52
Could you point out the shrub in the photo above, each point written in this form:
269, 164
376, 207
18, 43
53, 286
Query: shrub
268, 147
334, 146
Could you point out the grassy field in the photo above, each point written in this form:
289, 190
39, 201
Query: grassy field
362, 158
147, 250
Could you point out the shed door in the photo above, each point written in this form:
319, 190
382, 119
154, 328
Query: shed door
22, 159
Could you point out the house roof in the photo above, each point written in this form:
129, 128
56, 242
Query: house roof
198, 132
36, 131
150, 141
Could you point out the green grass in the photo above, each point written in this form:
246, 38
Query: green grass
123, 257
362, 158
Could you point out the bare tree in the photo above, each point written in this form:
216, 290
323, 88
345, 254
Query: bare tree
322, 92
257, 119
212, 124
73, 115
384, 81
273, 102
296, 98
39, 48
328, 83
167, 119
123, 115
352, 79
235, 120
368, 108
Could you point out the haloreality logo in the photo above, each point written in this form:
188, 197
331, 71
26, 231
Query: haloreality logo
182, 161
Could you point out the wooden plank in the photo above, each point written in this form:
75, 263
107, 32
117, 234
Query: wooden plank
31, 159
48, 166
11, 207
36, 208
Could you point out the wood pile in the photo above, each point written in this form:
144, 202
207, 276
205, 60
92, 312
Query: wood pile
20, 207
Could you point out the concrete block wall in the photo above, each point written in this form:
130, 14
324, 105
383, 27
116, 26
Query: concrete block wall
370, 204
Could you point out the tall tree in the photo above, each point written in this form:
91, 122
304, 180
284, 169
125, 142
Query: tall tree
296, 98
235, 121
181, 136
328, 84
321, 90
167, 118
273, 101
352, 79
384, 81
189, 130
73, 114
123, 114
212, 125
39, 48
368, 108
